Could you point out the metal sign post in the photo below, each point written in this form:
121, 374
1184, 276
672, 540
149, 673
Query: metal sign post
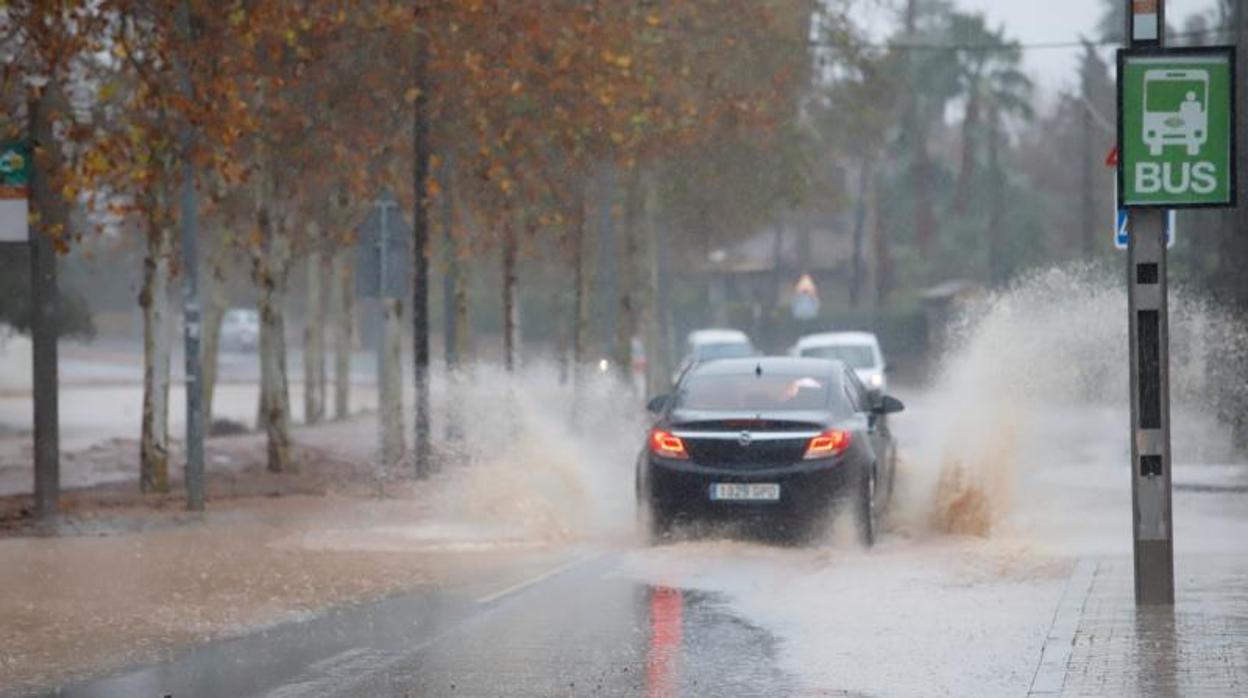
1175, 150
1121, 235
43, 306
1150, 374
390, 405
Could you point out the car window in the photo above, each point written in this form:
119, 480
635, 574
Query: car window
856, 392
853, 355
724, 350
754, 392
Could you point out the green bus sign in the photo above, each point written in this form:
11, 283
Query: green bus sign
14, 169
1176, 135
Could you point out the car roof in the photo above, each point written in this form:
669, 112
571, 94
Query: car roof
775, 365
718, 336
836, 339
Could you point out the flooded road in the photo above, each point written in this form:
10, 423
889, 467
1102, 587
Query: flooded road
915, 616
925, 612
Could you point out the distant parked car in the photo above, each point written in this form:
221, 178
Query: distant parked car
711, 344
240, 330
858, 350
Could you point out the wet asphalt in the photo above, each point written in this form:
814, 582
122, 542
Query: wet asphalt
574, 629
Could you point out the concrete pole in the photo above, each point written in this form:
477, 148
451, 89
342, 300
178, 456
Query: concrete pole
1152, 531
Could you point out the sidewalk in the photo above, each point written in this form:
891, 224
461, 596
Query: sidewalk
1100, 645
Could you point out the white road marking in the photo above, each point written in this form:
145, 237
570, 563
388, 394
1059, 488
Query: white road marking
536, 579
326, 675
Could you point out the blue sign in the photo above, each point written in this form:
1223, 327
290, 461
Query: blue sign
1120, 230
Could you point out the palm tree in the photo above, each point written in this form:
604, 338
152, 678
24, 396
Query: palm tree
989, 79
931, 85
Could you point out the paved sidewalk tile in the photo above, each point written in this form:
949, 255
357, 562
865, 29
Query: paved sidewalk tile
1100, 645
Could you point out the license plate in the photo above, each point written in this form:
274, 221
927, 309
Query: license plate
745, 492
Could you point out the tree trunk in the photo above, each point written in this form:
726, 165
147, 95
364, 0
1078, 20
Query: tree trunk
924, 217
450, 264
421, 155
580, 285
563, 311
314, 339
1087, 211
269, 267
341, 295
626, 317
463, 349
510, 314
997, 271
966, 171
606, 286
883, 255
157, 343
657, 374
463, 333
857, 272
391, 394
210, 350
764, 324
920, 169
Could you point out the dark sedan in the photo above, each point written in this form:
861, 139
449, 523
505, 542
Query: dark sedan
783, 440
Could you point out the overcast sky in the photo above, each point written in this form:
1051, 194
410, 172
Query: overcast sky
1048, 21
1039, 22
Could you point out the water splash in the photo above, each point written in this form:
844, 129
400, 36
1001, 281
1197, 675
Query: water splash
1019, 360
530, 453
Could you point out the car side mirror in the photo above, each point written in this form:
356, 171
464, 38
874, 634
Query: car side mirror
656, 404
887, 404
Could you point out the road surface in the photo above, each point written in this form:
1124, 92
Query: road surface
1039, 604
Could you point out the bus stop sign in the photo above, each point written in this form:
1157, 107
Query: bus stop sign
14, 191
1176, 136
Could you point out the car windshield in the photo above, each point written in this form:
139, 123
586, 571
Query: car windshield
723, 350
853, 355
748, 391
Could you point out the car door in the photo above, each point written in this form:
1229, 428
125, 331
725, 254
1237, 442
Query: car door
877, 430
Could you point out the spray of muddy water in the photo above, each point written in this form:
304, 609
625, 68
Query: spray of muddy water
526, 454
1052, 344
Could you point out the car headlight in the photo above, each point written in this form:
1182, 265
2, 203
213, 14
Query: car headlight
876, 380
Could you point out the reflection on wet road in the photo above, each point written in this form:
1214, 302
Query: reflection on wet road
585, 630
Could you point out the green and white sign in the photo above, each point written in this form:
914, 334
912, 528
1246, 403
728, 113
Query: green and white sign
1176, 135
14, 191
